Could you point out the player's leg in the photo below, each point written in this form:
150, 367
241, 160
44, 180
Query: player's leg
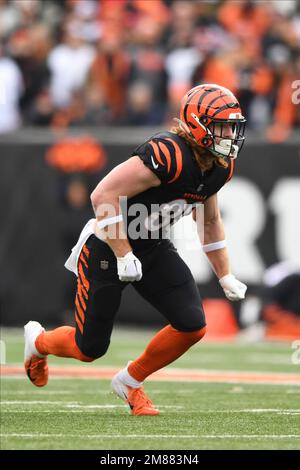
182, 307
97, 301
169, 285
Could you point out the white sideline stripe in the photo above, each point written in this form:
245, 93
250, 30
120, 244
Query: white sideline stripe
88, 408
171, 370
58, 392
153, 379
159, 436
76, 404
52, 411
189, 391
71, 404
94, 406
265, 410
37, 402
117, 406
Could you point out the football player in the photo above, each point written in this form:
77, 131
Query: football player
190, 164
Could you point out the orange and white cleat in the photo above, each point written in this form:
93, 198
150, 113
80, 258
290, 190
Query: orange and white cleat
139, 403
35, 364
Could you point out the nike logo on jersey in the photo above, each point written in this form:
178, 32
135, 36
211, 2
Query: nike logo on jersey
200, 187
155, 165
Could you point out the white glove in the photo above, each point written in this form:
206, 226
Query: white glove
233, 289
129, 268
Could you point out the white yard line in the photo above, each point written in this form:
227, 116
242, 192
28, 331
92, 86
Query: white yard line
75, 407
37, 402
155, 436
55, 393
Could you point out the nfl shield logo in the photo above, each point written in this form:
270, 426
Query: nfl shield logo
104, 264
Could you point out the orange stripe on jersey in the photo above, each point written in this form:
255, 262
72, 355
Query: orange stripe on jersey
166, 153
231, 170
83, 279
178, 156
156, 152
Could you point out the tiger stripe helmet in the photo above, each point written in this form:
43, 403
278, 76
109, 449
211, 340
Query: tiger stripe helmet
212, 115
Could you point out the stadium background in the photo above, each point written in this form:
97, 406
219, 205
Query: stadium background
84, 82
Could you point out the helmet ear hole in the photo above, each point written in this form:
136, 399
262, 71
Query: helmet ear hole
203, 119
206, 141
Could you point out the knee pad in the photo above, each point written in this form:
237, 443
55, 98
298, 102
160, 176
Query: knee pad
83, 358
94, 350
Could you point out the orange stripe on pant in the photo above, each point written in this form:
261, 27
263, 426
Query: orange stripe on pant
82, 277
83, 286
83, 260
79, 293
81, 313
82, 289
86, 251
78, 322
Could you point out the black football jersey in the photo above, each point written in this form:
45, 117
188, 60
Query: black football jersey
149, 214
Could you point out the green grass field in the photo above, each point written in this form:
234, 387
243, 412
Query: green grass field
83, 413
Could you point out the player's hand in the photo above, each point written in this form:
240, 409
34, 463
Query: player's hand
233, 289
129, 268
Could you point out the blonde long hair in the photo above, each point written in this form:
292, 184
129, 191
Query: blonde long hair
204, 158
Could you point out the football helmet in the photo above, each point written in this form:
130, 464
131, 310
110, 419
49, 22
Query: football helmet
212, 115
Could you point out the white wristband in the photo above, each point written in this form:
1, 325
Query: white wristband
214, 246
109, 221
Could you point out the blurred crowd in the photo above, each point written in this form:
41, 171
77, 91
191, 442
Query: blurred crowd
128, 62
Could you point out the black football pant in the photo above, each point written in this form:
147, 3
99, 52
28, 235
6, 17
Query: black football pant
167, 284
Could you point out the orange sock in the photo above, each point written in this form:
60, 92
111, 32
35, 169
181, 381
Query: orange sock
60, 342
166, 346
